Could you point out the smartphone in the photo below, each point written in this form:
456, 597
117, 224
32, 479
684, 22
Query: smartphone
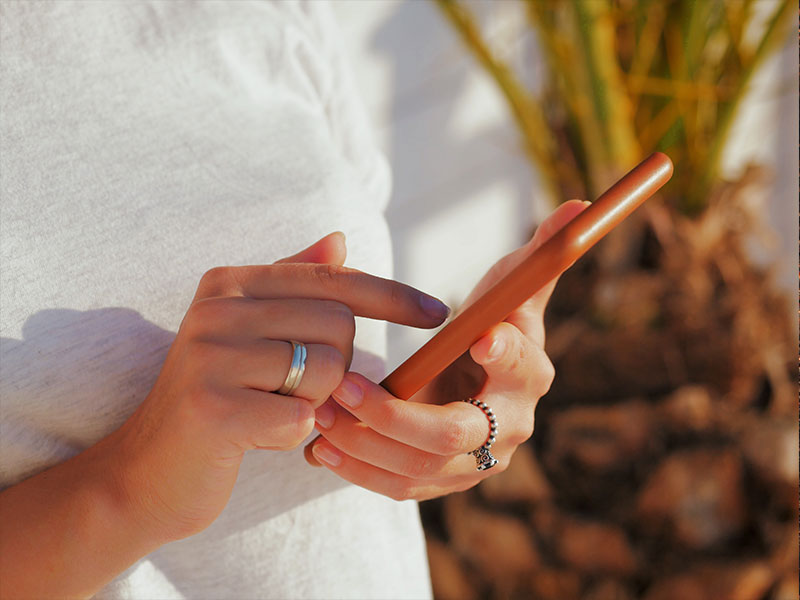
548, 261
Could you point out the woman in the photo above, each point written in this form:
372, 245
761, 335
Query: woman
142, 144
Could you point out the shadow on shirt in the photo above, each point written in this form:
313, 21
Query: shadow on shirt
78, 375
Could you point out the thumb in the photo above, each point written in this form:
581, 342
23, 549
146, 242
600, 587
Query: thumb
329, 250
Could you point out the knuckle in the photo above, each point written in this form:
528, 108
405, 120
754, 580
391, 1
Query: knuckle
548, 375
545, 375
205, 356
418, 467
348, 322
398, 294
341, 318
523, 429
203, 310
454, 438
304, 429
332, 367
192, 320
402, 492
213, 275
303, 426
214, 281
207, 314
285, 432
521, 357
386, 415
327, 275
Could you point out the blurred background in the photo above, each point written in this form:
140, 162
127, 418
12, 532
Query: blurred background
665, 458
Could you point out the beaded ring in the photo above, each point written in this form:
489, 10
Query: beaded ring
483, 457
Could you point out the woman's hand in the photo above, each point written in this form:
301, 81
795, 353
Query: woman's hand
215, 399
169, 470
419, 448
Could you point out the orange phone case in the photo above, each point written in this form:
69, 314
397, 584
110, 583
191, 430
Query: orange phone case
548, 261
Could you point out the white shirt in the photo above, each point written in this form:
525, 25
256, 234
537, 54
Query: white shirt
142, 144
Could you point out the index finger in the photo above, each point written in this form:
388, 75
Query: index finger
366, 295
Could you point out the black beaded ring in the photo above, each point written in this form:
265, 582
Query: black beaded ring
483, 457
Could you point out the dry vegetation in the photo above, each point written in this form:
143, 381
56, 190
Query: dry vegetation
665, 459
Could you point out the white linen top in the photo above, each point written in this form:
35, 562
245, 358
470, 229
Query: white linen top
142, 144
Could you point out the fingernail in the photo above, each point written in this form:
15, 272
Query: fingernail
434, 308
325, 416
326, 454
349, 393
496, 349
308, 453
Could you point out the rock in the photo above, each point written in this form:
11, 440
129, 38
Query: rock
601, 437
629, 302
687, 408
782, 538
787, 589
448, 577
743, 581
555, 584
595, 547
770, 446
591, 547
546, 520
499, 546
685, 587
609, 589
746, 582
604, 367
522, 481
694, 497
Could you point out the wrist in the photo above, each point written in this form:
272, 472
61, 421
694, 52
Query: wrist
71, 522
123, 495
111, 516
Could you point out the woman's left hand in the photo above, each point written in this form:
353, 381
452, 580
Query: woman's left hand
419, 449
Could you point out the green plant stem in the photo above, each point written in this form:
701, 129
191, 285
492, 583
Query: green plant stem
729, 112
567, 71
647, 43
611, 105
689, 75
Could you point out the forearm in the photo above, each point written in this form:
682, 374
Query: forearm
69, 530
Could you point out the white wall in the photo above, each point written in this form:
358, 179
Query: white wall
767, 133
463, 195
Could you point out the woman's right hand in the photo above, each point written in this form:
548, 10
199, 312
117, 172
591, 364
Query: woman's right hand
177, 457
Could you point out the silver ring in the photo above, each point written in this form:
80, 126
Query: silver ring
483, 457
296, 370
